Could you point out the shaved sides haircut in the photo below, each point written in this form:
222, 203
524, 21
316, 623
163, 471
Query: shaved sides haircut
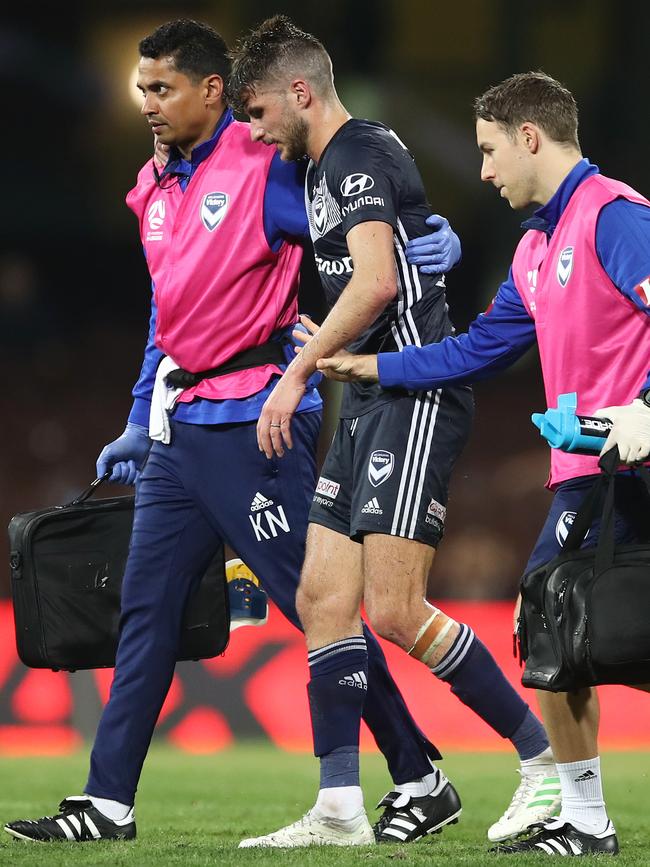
275, 52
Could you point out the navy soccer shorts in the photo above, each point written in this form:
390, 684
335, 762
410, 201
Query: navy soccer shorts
630, 523
388, 471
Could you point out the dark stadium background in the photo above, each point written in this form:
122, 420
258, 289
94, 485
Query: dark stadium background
74, 291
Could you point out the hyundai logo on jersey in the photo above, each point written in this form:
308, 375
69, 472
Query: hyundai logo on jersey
565, 266
380, 467
356, 184
213, 209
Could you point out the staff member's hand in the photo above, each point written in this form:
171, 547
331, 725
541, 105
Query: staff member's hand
126, 455
274, 423
160, 153
438, 252
304, 335
630, 430
346, 367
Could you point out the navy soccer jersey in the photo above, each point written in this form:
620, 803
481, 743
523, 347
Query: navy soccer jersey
366, 174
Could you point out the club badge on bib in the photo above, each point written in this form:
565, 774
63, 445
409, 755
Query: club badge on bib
564, 266
213, 209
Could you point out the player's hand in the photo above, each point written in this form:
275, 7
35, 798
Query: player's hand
630, 430
346, 367
438, 252
125, 456
160, 153
304, 332
274, 423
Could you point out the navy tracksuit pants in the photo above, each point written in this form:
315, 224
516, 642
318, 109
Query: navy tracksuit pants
193, 493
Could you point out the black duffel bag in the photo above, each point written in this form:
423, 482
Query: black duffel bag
585, 615
67, 564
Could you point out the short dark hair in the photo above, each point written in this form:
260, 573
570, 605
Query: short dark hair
197, 49
534, 97
273, 49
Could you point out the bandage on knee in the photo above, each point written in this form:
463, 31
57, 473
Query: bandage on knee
430, 636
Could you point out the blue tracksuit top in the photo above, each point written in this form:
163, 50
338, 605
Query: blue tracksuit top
501, 335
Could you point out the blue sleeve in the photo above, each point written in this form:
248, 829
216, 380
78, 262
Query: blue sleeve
495, 340
623, 247
143, 388
284, 202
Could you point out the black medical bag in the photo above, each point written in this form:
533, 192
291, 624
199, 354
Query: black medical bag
585, 615
67, 564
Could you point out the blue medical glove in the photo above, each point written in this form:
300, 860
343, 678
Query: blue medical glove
125, 455
436, 253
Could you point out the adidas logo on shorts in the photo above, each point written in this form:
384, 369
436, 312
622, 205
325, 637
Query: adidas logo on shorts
260, 502
358, 680
372, 508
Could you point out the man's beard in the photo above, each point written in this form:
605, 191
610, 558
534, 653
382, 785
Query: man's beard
295, 135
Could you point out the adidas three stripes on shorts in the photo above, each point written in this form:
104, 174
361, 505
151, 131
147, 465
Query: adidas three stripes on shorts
388, 471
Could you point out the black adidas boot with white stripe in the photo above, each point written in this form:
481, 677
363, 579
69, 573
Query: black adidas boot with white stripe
561, 838
78, 822
406, 818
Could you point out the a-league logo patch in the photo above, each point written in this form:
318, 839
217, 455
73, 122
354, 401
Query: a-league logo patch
380, 467
156, 218
564, 266
213, 209
563, 526
156, 214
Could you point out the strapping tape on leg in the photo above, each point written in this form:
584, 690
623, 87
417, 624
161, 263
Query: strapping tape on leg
429, 638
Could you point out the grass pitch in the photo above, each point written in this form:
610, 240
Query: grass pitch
193, 810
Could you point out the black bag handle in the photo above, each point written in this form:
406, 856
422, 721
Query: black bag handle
606, 543
587, 511
605, 547
608, 464
89, 491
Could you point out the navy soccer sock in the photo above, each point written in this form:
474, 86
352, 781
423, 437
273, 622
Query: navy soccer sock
407, 750
337, 689
475, 678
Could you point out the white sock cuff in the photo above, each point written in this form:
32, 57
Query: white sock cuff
545, 758
113, 810
340, 802
583, 765
583, 804
430, 784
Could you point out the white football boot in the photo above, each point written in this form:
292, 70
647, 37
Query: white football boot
317, 831
536, 799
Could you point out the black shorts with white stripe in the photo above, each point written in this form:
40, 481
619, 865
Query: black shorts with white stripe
388, 470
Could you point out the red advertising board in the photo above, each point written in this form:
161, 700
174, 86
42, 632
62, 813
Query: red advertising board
257, 689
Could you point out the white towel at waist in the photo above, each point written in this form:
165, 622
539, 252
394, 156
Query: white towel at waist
163, 401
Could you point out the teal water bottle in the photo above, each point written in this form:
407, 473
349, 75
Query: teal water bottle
563, 429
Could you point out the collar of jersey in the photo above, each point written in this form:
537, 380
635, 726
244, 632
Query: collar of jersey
546, 218
338, 132
178, 165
